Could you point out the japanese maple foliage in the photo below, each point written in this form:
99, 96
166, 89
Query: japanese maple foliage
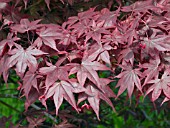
61, 61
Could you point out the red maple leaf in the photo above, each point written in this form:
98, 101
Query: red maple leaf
96, 31
109, 18
87, 69
94, 95
100, 51
55, 72
160, 85
151, 69
25, 26
10, 41
128, 79
30, 81
23, 58
155, 41
48, 36
139, 6
62, 90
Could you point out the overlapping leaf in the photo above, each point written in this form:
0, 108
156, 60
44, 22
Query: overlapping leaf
62, 90
160, 85
87, 69
129, 78
23, 58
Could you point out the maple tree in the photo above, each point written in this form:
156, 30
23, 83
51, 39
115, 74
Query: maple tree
61, 61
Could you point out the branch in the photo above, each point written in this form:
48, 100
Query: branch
45, 113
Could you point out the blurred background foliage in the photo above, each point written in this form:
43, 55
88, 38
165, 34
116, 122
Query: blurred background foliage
133, 113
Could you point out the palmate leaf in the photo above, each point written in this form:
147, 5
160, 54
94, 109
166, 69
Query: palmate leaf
159, 42
128, 79
54, 72
100, 51
160, 85
87, 69
94, 95
62, 90
30, 81
25, 26
23, 58
10, 41
151, 69
96, 31
139, 6
47, 36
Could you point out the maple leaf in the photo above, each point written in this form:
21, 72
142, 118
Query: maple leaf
126, 55
139, 6
85, 15
100, 51
10, 41
66, 37
61, 90
25, 26
109, 18
4, 68
128, 79
151, 69
55, 72
23, 58
87, 69
81, 27
106, 89
113, 38
32, 97
47, 36
96, 31
93, 96
159, 42
30, 81
160, 85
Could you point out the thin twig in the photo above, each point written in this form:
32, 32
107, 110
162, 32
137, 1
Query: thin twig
45, 113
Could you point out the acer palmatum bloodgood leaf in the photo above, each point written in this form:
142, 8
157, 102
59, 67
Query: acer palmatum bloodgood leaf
23, 58
25, 26
10, 41
88, 69
94, 95
47, 36
126, 55
114, 38
85, 15
81, 28
109, 17
66, 37
100, 51
30, 81
55, 72
128, 79
159, 42
4, 68
105, 87
61, 90
139, 6
151, 69
96, 31
32, 97
165, 100
160, 85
